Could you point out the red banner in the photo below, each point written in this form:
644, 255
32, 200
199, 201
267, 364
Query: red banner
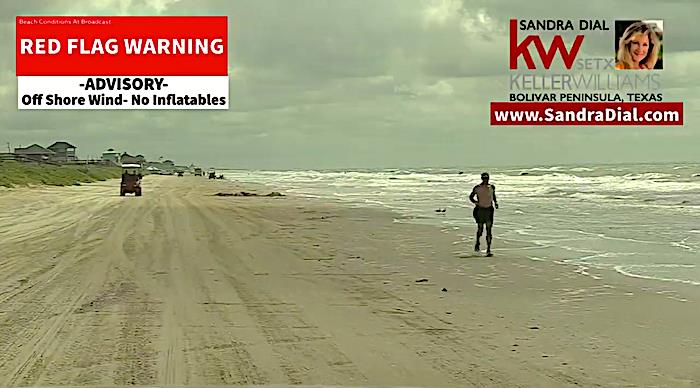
586, 113
122, 45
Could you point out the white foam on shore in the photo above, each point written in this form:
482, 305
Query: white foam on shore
583, 270
623, 270
593, 215
682, 245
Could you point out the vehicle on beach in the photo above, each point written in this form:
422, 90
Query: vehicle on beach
131, 179
198, 171
212, 175
180, 173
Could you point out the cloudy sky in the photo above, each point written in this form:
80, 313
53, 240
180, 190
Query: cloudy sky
365, 83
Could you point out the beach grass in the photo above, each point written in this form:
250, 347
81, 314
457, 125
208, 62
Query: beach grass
23, 174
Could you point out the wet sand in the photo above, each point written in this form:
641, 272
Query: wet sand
183, 287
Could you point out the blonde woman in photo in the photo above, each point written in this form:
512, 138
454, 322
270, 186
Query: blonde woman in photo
639, 47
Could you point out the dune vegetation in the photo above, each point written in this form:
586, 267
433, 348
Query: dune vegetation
27, 174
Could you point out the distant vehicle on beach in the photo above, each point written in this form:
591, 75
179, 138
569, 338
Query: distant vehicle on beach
198, 171
131, 179
212, 175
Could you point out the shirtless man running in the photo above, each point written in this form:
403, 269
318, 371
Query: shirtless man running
485, 194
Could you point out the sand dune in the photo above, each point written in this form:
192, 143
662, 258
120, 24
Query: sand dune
183, 287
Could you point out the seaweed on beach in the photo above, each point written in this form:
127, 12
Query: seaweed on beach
247, 194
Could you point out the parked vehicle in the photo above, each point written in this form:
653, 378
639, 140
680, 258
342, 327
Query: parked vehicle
198, 171
131, 179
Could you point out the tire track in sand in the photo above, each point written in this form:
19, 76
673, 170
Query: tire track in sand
207, 342
39, 313
304, 352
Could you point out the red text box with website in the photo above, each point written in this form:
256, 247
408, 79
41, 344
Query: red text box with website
586, 113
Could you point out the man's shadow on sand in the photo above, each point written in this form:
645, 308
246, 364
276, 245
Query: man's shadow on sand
473, 255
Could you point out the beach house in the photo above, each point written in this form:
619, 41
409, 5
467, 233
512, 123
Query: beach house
126, 158
34, 152
63, 151
111, 156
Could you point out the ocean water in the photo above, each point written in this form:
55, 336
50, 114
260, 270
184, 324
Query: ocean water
639, 220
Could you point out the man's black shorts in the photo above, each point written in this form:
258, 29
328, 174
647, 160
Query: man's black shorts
483, 215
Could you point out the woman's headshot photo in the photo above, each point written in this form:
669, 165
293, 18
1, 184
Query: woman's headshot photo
638, 44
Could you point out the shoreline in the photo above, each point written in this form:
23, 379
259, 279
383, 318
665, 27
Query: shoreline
592, 281
567, 222
470, 228
299, 283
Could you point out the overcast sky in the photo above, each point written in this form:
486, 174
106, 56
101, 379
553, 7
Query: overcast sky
365, 83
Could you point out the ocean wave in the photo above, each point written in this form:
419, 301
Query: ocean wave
650, 176
590, 196
553, 191
634, 271
553, 168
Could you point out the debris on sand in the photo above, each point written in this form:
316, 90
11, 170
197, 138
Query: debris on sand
247, 194
321, 217
421, 280
444, 290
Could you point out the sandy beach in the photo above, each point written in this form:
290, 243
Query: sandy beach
183, 287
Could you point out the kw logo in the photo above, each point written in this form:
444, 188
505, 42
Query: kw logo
546, 56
